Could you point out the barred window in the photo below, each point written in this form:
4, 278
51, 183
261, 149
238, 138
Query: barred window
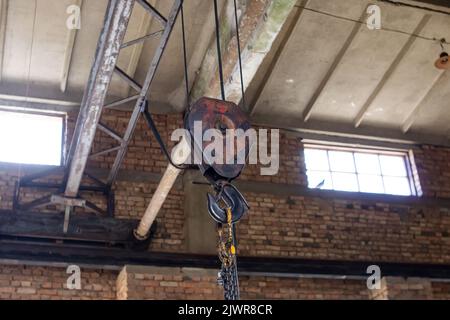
359, 170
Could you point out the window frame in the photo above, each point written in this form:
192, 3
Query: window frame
405, 154
49, 113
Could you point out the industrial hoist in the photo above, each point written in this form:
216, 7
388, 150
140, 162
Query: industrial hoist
226, 204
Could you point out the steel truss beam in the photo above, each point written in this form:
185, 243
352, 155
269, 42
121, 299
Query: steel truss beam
116, 22
47, 227
56, 189
89, 118
111, 41
145, 88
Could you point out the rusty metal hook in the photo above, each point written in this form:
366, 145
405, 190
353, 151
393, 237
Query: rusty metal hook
232, 198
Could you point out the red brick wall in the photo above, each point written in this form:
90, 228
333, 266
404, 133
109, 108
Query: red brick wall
144, 153
167, 283
441, 290
34, 282
300, 226
259, 287
433, 167
28, 282
132, 199
287, 225
199, 284
344, 229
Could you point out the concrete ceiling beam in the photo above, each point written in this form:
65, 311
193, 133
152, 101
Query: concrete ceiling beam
393, 67
408, 123
3, 24
31, 103
279, 51
356, 28
68, 52
433, 5
340, 131
259, 24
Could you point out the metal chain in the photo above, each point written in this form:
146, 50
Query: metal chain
228, 277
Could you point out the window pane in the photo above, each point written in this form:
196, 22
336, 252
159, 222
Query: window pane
397, 185
370, 183
341, 161
316, 159
367, 163
345, 182
30, 138
393, 166
319, 179
358, 170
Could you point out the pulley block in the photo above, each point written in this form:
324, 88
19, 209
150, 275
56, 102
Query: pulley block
223, 116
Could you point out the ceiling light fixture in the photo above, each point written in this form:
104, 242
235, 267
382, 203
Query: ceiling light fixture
442, 62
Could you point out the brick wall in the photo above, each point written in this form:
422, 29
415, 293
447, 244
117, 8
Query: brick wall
397, 288
199, 284
433, 167
302, 288
132, 199
441, 290
167, 283
284, 225
313, 227
134, 282
29, 282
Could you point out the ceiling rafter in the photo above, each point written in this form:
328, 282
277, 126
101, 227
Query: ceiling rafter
3, 24
68, 51
312, 102
409, 121
393, 67
299, 9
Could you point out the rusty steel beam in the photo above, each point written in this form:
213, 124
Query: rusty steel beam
111, 38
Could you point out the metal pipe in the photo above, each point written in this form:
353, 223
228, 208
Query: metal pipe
180, 154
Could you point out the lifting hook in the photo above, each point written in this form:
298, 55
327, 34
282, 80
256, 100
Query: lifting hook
231, 198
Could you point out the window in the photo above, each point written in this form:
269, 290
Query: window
31, 138
358, 170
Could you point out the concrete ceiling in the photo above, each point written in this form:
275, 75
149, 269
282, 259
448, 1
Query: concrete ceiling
326, 73
37, 45
335, 75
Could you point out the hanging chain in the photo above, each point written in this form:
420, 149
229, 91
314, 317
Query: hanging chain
228, 277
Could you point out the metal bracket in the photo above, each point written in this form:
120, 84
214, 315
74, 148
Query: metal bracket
68, 202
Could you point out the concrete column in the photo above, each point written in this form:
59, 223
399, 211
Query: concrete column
200, 229
398, 288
